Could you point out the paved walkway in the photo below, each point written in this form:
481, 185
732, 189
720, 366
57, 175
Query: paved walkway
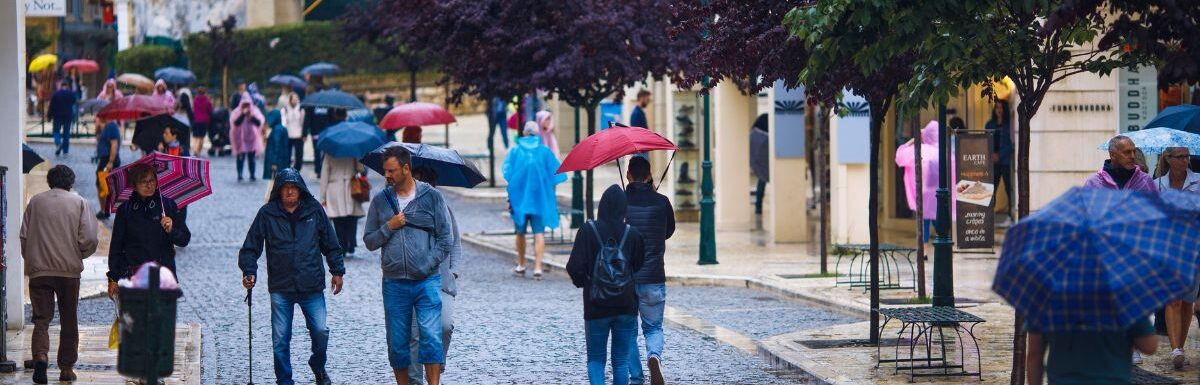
97, 364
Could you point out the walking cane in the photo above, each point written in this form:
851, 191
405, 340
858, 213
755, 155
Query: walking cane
250, 336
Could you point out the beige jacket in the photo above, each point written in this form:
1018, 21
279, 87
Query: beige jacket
57, 233
335, 187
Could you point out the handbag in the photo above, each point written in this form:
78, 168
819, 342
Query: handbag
360, 189
102, 178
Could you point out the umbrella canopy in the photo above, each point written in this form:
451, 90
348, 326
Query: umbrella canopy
1184, 117
148, 133
136, 81
611, 144
183, 179
91, 106
42, 63
288, 80
29, 158
350, 139
84, 66
175, 76
321, 69
1098, 260
1158, 139
133, 107
415, 114
333, 99
451, 168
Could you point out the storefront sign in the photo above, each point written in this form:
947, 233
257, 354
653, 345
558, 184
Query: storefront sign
788, 132
45, 8
1137, 96
975, 191
854, 130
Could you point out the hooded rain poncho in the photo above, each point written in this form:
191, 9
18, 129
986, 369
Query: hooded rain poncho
245, 136
906, 158
530, 172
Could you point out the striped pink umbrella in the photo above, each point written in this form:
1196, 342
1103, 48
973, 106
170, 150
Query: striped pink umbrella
183, 179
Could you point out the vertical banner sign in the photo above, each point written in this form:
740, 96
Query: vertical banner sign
789, 121
854, 130
1137, 97
974, 191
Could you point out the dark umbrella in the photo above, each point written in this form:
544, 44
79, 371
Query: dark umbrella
333, 99
147, 133
175, 76
450, 167
1184, 118
321, 69
350, 139
29, 158
288, 80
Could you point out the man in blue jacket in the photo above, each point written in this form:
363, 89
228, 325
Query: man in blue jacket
409, 221
62, 112
296, 232
651, 214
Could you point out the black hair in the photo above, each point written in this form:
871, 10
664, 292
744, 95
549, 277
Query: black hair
400, 154
1005, 109
61, 177
957, 124
639, 169
138, 172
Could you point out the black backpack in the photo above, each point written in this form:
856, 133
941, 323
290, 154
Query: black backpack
612, 278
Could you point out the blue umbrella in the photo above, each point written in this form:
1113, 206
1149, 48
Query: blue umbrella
288, 80
360, 115
321, 69
175, 76
333, 99
1184, 117
1158, 139
1098, 260
451, 168
350, 139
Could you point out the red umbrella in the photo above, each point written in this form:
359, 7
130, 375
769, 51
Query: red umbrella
416, 114
611, 144
133, 107
84, 66
183, 179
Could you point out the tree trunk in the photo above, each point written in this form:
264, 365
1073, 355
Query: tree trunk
1023, 118
225, 86
823, 199
920, 214
589, 203
878, 111
412, 83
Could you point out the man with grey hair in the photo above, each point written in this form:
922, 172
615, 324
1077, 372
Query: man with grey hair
1120, 170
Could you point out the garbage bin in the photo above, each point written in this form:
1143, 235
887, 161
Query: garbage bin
147, 322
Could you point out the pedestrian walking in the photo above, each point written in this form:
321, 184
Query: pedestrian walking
57, 233
1177, 316
147, 228
1002, 151
607, 254
336, 197
760, 162
316, 120
170, 142
545, 121
236, 99
277, 156
108, 157
379, 112
408, 220
449, 273
110, 91
285, 94
1099, 358
295, 233
202, 110
652, 215
637, 118
245, 134
163, 94
497, 119
62, 113
293, 119
906, 158
530, 170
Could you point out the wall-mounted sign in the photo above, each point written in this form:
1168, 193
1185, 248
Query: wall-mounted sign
1137, 97
975, 190
854, 130
788, 132
45, 8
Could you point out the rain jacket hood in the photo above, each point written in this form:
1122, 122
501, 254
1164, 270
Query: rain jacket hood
530, 172
610, 214
116, 91
291, 176
166, 97
906, 158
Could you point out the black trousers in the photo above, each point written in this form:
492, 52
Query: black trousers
297, 153
1004, 172
347, 233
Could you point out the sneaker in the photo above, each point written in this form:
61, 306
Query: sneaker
1177, 358
1137, 358
102, 216
656, 377
39, 372
519, 271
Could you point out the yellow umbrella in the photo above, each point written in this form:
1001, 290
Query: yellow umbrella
42, 62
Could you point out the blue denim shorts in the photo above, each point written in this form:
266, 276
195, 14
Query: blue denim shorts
535, 221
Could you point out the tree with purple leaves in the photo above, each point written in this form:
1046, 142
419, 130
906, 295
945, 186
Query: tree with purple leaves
362, 22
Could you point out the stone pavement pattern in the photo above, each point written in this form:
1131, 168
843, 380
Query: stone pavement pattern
509, 330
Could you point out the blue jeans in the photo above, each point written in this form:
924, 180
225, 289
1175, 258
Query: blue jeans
62, 135
416, 373
282, 310
652, 301
623, 329
400, 297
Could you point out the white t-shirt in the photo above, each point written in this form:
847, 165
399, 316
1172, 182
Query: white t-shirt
402, 201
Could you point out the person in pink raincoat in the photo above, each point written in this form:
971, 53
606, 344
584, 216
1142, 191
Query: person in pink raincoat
161, 93
545, 122
245, 134
1120, 170
110, 91
906, 158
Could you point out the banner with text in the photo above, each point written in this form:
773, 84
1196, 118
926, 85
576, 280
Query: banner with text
974, 191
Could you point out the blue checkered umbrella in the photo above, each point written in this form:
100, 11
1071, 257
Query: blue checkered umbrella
1158, 139
1098, 260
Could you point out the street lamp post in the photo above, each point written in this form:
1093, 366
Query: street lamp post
708, 242
943, 251
576, 186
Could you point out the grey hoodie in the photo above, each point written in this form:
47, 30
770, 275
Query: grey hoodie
416, 250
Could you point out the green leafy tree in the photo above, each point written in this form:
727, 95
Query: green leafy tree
144, 59
36, 40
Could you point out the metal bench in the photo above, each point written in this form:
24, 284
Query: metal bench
920, 323
859, 273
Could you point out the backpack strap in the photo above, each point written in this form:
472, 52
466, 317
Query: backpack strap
600, 239
623, 237
391, 199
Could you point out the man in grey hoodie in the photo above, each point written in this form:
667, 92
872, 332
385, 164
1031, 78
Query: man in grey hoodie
409, 221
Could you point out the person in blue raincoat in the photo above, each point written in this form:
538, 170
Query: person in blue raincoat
530, 172
278, 155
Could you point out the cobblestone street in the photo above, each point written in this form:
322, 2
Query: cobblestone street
508, 330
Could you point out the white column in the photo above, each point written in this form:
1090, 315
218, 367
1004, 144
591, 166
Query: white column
732, 117
12, 123
849, 185
124, 24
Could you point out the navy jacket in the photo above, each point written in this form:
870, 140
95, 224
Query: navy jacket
294, 246
62, 105
138, 236
651, 214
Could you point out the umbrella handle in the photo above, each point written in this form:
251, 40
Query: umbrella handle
621, 172
666, 169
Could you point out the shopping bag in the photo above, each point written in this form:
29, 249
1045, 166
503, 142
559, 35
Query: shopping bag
102, 185
114, 334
